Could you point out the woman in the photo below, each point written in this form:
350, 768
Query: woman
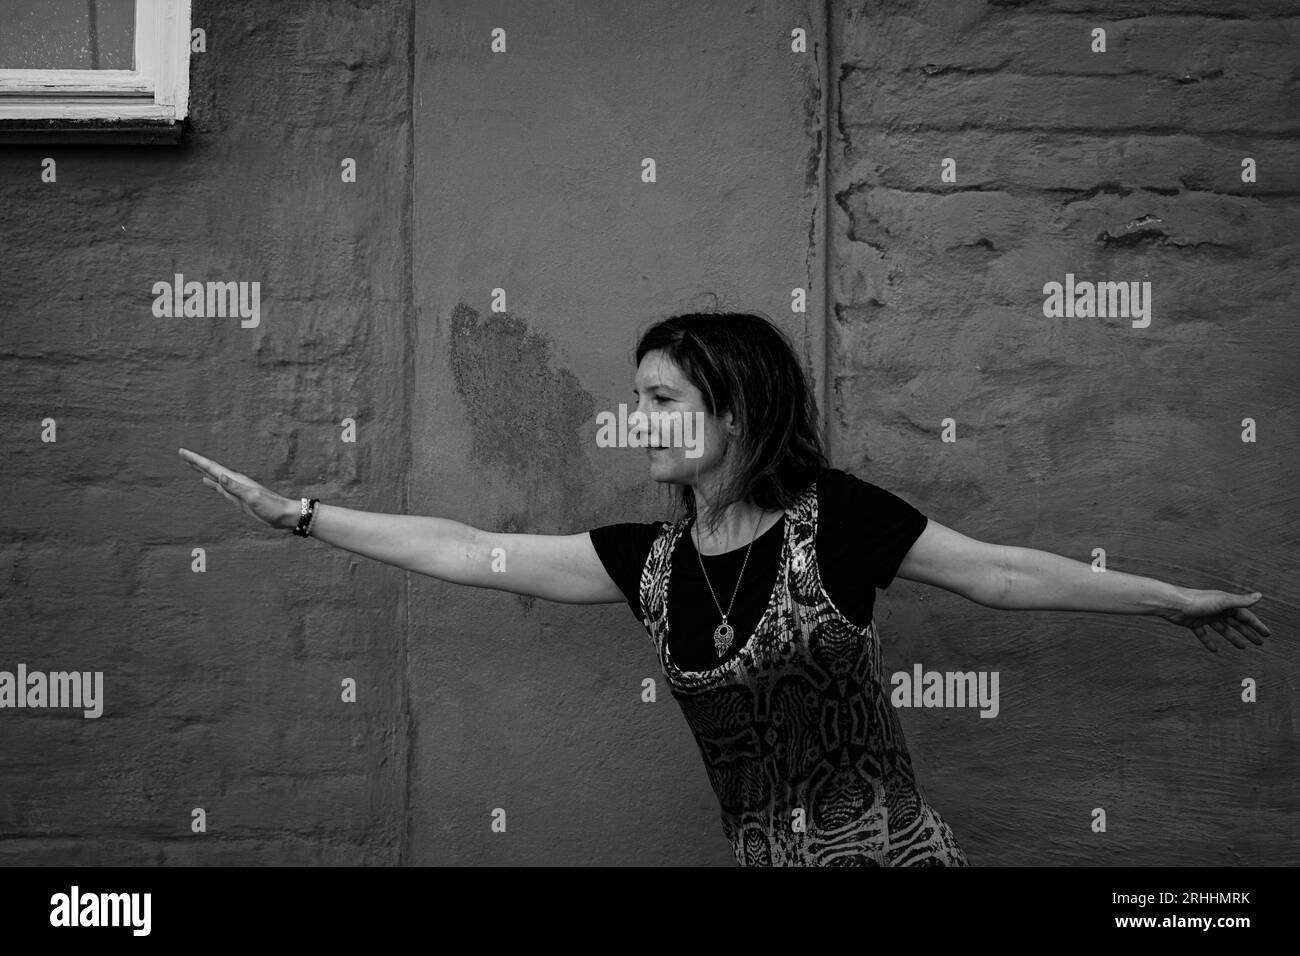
758, 597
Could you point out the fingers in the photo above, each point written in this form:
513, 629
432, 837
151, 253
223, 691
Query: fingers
206, 466
1247, 634
196, 461
203, 466
1233, 637
1204, 638
1229, 627
1238, 624
221, 488
1253, 621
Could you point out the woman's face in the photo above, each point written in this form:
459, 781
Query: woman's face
688, 454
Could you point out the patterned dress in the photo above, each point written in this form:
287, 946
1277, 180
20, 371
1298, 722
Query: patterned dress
800, 741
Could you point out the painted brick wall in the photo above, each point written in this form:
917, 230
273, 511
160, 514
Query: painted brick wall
1079, 433
222, 689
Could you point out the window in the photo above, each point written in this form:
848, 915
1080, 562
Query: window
88, 71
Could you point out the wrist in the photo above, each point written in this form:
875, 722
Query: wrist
291, 511
1172, 600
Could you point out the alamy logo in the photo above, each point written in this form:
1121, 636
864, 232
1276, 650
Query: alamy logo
213, 300
1089, 300
949, 689
102, 909
662, 429
56, 689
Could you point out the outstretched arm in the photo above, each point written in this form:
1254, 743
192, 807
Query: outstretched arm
1012, 578
558, 567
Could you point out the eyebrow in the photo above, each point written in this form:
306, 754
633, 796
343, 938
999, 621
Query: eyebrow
651, 388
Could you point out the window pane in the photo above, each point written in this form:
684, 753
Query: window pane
67, 34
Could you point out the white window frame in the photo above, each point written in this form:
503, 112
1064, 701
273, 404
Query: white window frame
155, 93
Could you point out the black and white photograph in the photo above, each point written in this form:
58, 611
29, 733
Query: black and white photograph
595, 434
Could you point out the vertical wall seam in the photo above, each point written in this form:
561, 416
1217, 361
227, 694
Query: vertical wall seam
827, 305
404, 719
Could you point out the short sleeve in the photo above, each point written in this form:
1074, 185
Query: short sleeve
623, 550
875, 526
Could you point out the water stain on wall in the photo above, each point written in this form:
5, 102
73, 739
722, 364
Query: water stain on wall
524, 415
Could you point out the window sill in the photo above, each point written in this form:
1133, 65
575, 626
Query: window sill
126, 131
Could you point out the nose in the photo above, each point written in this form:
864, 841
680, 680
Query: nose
638, 426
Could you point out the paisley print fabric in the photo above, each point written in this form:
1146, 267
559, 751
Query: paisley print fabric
799, 739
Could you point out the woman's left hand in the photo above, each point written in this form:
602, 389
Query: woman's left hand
1225, 613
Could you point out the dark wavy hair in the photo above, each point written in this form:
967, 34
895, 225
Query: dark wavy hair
745, 364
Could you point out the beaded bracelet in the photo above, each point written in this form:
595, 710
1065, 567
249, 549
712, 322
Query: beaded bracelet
307, 517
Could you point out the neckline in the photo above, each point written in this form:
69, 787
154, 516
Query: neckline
768, 611
690, 523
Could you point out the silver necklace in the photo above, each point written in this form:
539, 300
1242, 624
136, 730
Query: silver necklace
724, 632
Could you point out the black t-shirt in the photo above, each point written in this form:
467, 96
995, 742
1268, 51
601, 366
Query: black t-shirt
863, 534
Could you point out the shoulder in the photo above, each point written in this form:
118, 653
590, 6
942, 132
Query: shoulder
839, 481
629, 533
839, 491
835, 484
624, 547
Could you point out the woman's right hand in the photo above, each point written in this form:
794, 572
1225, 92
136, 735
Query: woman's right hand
252, 498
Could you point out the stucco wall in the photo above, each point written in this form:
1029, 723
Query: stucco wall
528, 179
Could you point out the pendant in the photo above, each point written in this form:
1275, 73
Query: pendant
722, 635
